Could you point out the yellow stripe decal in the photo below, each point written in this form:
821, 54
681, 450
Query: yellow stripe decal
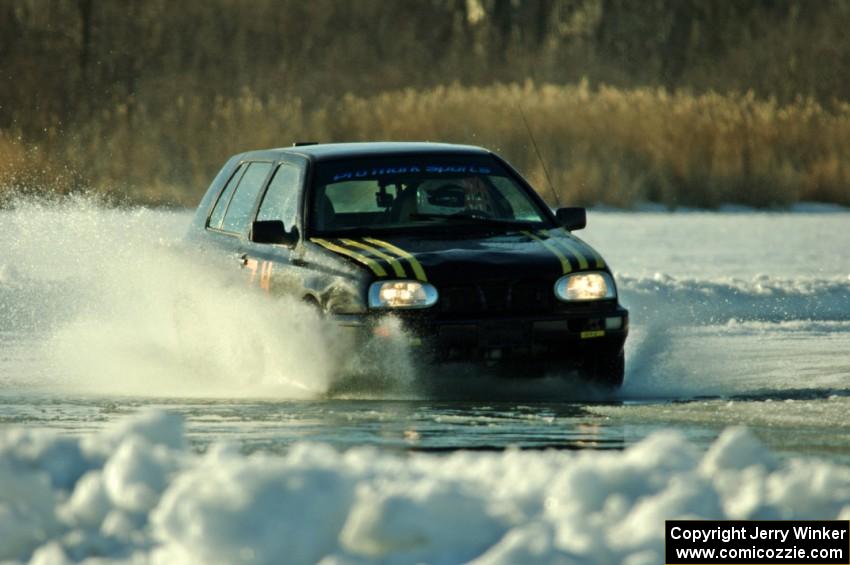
565, 263
414, 263
600, 263
570, 247
374, 265
393, 262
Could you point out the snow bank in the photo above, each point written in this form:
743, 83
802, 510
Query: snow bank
761, 298
728, 208
135, 493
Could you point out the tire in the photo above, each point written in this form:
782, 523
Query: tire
606, 369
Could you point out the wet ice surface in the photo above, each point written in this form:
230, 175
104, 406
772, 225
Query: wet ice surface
737, 319
790, 423
394, 425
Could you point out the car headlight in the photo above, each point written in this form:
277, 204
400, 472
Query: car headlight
402, 294
585, 286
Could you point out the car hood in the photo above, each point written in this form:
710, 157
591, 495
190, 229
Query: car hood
538, 254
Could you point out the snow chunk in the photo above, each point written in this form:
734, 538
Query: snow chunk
808, 490
425, 520
532, 543
50, 554
89, 502
135, 476
61, 458
27, 517
230, 509
154, 426
736, 449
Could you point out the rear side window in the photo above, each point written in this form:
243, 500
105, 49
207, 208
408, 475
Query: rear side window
281, 199
224, 199
239, 211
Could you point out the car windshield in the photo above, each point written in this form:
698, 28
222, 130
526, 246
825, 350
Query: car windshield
420, 193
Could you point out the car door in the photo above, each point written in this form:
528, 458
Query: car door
275, 266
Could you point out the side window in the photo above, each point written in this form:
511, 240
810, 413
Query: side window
223, 200
239, 212
281, 199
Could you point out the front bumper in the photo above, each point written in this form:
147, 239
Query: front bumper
558, 337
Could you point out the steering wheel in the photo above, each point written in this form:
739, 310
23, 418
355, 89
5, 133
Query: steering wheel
447, 196
474, 213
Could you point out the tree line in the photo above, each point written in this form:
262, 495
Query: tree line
68, 64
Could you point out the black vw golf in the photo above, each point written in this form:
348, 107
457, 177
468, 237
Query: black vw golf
449, 239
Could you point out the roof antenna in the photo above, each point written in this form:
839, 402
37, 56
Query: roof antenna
539, 157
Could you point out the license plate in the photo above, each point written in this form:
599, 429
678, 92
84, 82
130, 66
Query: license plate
592, 334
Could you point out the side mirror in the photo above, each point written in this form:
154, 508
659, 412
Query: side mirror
572, 218
273, 231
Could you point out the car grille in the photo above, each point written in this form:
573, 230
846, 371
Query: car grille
497, 298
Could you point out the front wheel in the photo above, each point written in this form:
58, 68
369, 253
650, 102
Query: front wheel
605, 368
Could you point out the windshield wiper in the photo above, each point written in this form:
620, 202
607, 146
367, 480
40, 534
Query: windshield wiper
466, 217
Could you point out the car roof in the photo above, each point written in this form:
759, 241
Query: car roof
331, 151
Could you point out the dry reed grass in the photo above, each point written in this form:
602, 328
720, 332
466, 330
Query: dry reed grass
605, 145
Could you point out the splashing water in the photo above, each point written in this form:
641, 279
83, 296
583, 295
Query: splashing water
119, 306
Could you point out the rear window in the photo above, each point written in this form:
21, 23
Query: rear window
224, 199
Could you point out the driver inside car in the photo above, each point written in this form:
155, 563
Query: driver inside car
444, 197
